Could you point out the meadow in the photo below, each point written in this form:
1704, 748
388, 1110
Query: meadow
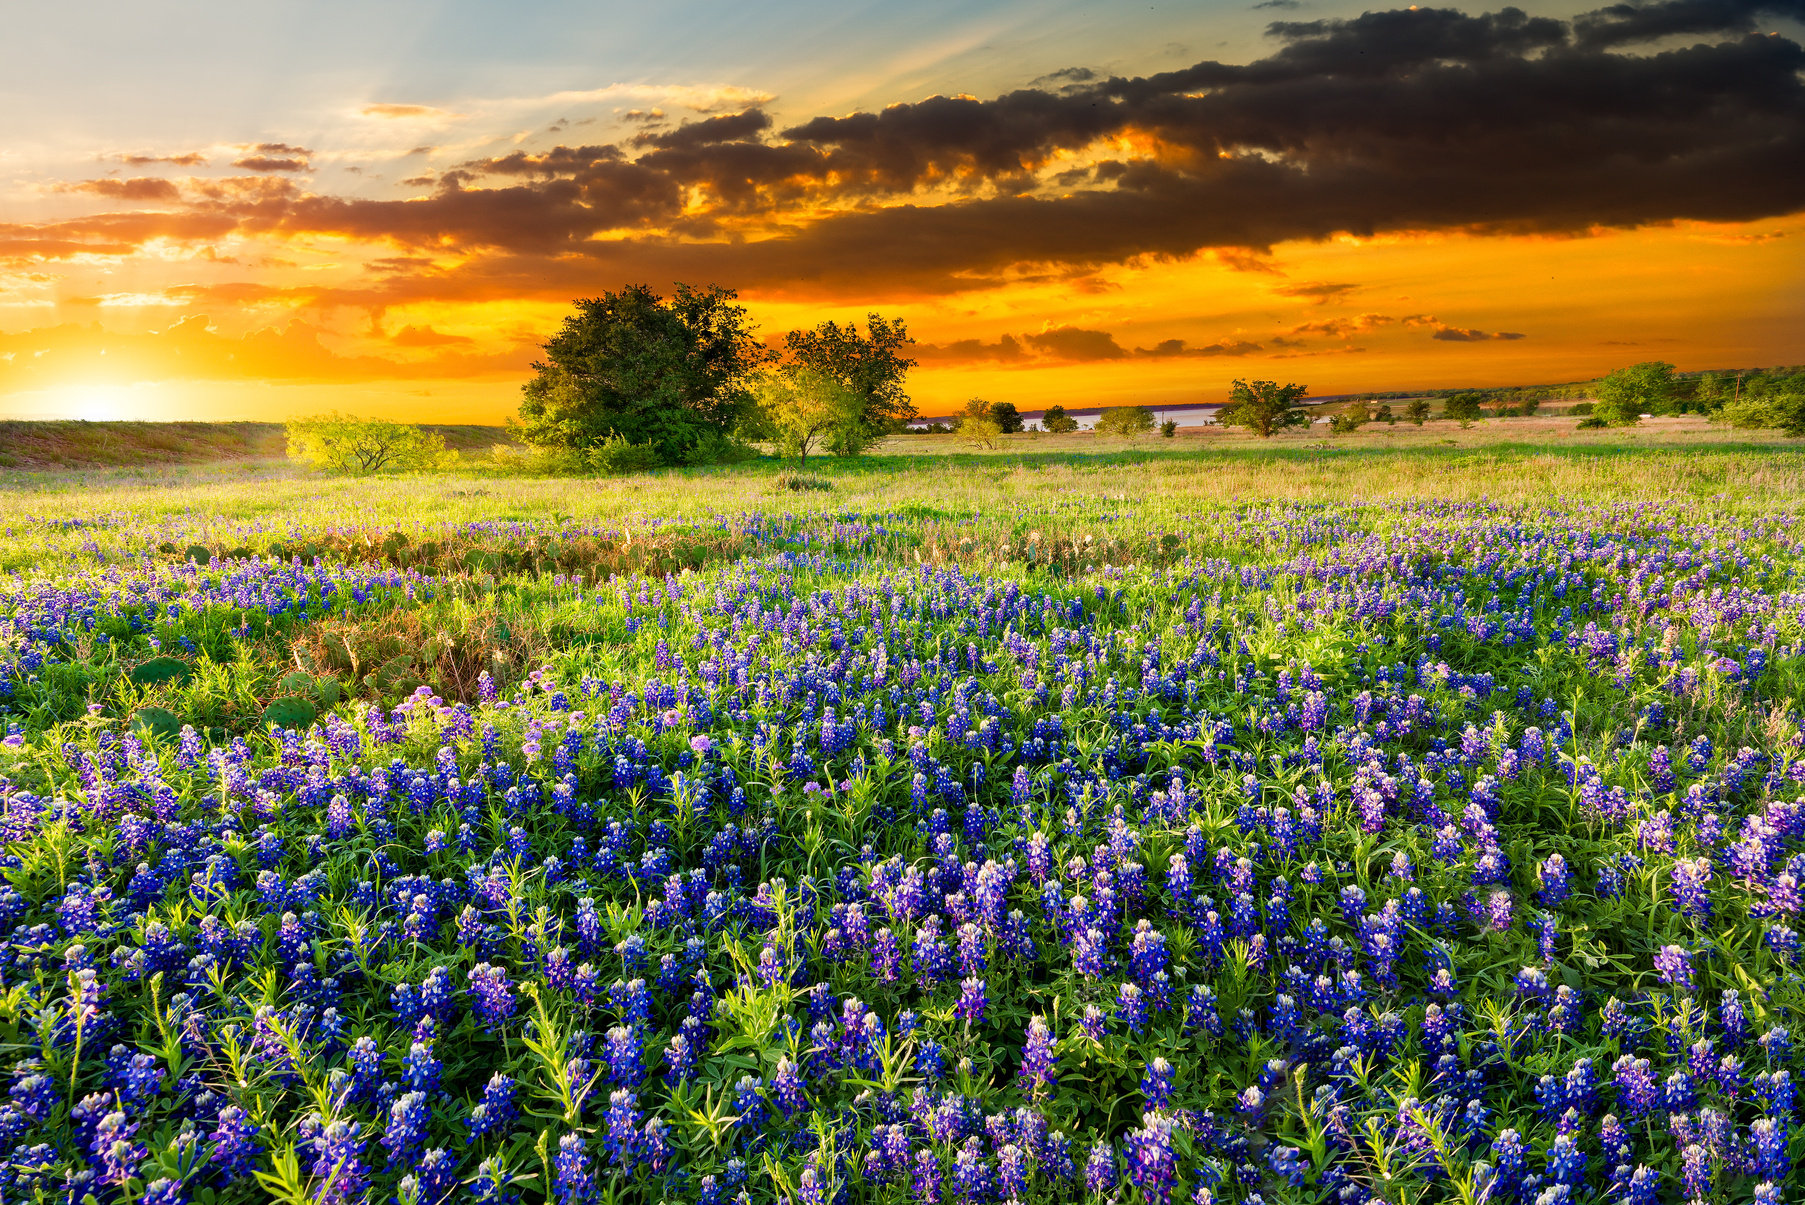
1410, 817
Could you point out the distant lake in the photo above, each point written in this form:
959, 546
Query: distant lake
1184, 416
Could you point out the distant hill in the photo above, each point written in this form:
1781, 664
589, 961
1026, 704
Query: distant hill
73, 444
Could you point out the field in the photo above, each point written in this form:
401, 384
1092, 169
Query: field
1411, 817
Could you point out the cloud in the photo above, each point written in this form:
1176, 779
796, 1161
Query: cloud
191, 159
1074, 345
1318, 291
270, 163
1455, 334
399, 112
730, 127
1170, 348
425, 336
1622, 24
193, 348
1405, 120
137, 188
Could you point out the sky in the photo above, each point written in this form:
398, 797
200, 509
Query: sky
250, 211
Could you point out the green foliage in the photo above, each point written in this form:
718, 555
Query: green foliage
801, 482
978, 425
1353, 416
1417, 411
1265, 407
1592, 423
1009, 419
1169, 428
1780, 412
615, 457
657, 374
1125, 420
1057, 421
160, 670
1628, 393
1463, 408
290, 711
343, 443
803, 408
157, 721
872, 365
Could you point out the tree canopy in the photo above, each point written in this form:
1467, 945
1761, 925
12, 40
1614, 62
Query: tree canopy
1627, 393
670, 375
1264, 407
1463, 408
871, 364
1056, 420
803, 408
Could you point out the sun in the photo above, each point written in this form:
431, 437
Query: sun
93, 403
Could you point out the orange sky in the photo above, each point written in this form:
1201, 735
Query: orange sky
1402, 199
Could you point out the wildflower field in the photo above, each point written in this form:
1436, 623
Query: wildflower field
1405, 826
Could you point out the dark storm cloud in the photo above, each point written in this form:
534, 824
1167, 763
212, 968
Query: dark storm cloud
1621, 24
1399, 120
730, 127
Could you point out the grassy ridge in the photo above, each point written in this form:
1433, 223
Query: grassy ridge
73, 444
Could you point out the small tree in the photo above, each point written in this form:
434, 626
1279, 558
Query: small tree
1463, 408
1353, 416
804, 409
871, 364
1057, 421
1125, 421
978, 424
1009, 419
343, 443
1417, 411
1169, 428
1384, 415
1264, 407
1624, 395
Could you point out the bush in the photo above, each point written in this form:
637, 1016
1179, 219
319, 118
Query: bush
615, 457
1592, 423
1125, 420
801, 481
1055, 420
1784, 412
1169, 428
344, 443
1582, 408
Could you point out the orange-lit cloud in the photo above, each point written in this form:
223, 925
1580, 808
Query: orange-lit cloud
1140, 226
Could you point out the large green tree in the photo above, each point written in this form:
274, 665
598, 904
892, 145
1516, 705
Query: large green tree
871, 364
1625, 395
1264, 407
669, 375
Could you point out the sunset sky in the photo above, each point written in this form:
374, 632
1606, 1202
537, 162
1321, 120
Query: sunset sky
254, 210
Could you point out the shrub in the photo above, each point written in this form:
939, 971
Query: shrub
1169, 428
615, 457
801, 481
343, 443
1125, 420
1055, 420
